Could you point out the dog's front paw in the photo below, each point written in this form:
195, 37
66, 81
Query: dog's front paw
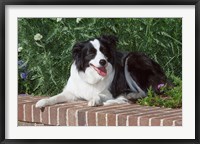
96, 101
41, 103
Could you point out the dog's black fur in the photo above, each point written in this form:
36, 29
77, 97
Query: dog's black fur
143, 70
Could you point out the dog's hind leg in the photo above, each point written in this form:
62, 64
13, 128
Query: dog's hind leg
134, 95
137, 91
62, 97
119, 100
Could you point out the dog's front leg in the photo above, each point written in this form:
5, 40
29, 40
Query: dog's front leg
95, 101
62, 97
100, 98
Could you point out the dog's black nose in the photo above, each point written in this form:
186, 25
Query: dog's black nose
102, 62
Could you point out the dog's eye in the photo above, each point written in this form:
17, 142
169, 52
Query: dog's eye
91, 52
104, 50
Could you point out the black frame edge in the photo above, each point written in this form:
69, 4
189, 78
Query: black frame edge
197, 67
101, 2
44, 2
2, 74
102, 141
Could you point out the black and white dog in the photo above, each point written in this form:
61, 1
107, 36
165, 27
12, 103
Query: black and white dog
102, 75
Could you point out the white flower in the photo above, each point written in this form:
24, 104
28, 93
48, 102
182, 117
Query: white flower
58, 19
20, 49
53, 18
38, 37
78, 20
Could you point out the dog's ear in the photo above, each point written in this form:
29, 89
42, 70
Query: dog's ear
109, 39
76, 50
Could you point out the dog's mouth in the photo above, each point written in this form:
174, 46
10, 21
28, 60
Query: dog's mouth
100, 70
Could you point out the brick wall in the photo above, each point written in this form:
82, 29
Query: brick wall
79, 114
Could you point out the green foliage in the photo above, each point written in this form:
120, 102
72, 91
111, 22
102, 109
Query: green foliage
48, 55
171, 97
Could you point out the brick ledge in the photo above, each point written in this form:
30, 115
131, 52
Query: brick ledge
79, 114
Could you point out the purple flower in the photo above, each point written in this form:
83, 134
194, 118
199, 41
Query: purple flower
22, 68
161, 85
24, 75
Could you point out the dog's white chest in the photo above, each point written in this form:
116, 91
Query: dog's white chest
78, 83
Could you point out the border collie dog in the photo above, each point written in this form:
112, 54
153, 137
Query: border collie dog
102, 75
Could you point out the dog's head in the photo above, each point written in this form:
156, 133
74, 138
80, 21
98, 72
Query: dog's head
96, 55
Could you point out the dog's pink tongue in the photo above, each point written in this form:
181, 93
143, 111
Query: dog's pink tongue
102, 71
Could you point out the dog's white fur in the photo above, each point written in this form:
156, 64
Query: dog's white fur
88, 85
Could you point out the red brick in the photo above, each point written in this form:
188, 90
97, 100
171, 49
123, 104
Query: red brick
81, 118
53, 115
111, 115
169, 121
101, 119
91, 118
107, 108
82, 121
124, 109
144, 121
121, 119
72, 117
169, 110
178, 122
91, 114
63, 112
132, 120
62, 116
144, 118
20, 101
56, 115
28, 112
25, 98
79, 114
36, 114
72, 114
111, 119
122, 114
131, 117
154, 120
20, 123
45, 116
20, 112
